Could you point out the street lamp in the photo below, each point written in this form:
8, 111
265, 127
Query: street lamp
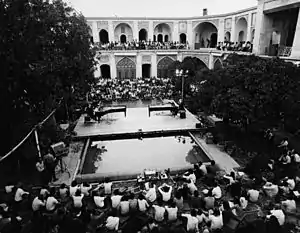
182, 74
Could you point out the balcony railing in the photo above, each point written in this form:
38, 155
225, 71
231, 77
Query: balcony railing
284, 51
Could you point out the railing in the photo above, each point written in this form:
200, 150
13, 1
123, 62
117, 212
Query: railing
284, 51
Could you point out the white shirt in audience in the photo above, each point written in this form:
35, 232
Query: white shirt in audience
73, 190
270, 189
151, 194
166, 196
85, 190
172, 213
217, 192
243, 202
216, 222
159, 213
192, 187
77, 200
289, 205
143, 205
112, 223
115, 201
19, 194
9, 188
253, 195
37, 204
107, 188
203, 169
124, 207
192, 222
279, 215
51, 203
191, 177
99, 201
291, 184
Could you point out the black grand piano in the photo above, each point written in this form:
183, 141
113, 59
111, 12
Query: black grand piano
98, 112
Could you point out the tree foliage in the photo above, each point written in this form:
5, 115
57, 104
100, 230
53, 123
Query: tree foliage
45, 55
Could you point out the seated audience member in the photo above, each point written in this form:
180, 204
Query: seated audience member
107, 186
278, 213
231, 178
112, 222
209, 200
178, 200
192, 221
38, 203
133, 203
63, 191
44, 191
172, 211
289, 205
73, 188
85, 188
202, 168
77, 199
19, 193
270, 189
295, 157
253, 195
115, 199
243, 202
159, 212
196, 201
98, 199
190, 175
200, 216
124, 205
151, 193
9, 187
216, 191
227, 213
191, 186
216, 220
51, 202
165, 191
142, 203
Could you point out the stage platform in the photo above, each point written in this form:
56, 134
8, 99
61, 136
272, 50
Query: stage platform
136, 122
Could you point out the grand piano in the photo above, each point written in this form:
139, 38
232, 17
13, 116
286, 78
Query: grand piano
99, 112
166, 107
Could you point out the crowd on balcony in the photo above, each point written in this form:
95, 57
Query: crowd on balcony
202, 199
142, 45
140, 88
242, 46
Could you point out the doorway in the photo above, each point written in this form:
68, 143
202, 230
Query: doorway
160, 38
105, 71
213, 40
182, 38
143, 35
146, 70
123, 39
103, 34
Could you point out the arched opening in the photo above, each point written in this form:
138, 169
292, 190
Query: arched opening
252, 35
193, 64
218, 65
91, 36
166, 38
123, 29
143, 35
164, 30
123, 39
103, 35
105, 71
182, 38
203, 33
146, 70
160, 38
241, 28
213, 40
126, 69
227, 37
154, 38
163, 67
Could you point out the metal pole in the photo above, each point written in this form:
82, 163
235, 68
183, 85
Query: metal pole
37, 143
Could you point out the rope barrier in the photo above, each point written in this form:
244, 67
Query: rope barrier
28, 135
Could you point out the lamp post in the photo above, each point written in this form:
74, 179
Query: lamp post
182, 74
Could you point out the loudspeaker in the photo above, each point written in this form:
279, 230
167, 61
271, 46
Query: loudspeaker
198, 125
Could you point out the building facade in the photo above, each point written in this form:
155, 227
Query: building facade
273, 27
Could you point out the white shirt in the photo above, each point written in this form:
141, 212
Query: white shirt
77, 201
112, 223
253, 195
216, 222
191, 177
296, 158
166, 196
85, 190
203, 169
99, 201
271, 189
151, 194
143, 204
37, 204
124, 206
9, 188
290, 205
217, 192
115, 201
291, 184
279, 215
192, 187
243, 202
200, 218
51, 203
192, 223
159, 213
172, 213
107, 187
73, 190
19, 193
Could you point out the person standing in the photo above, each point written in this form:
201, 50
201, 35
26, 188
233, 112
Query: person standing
40, 167
50, 164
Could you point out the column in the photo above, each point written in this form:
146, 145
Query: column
263, 30
150, 30
111, 33
296, 42
135, 30
95, 32
233, 25
211, 61
175, 33
190, 36
221, 30
153, 65
138, 65
248, 38
113, 66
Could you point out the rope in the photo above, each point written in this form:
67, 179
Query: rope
28, 135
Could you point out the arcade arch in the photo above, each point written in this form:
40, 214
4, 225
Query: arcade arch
205, 35
123, 29
241, 29
126, 69
164, 30
123, 39
182, 38
227, 36
103, 35
163, 67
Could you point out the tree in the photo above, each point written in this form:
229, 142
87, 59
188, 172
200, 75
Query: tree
45, 55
